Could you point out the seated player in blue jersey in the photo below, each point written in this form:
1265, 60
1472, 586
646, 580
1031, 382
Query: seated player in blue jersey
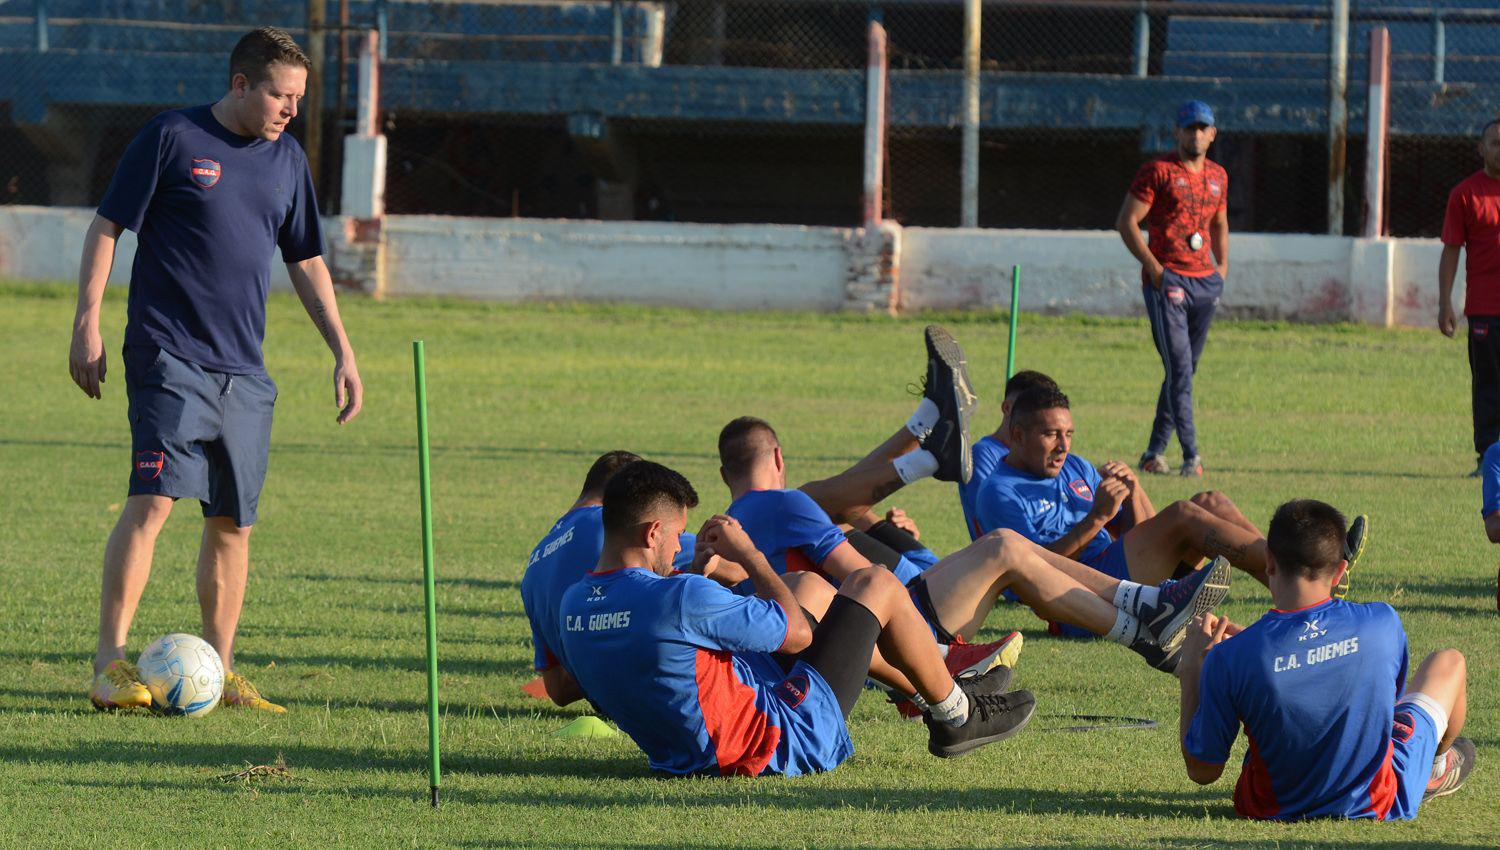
686, 667
1061, 501
568, 551
1489, 471
1334, 727
956, 595
991, 449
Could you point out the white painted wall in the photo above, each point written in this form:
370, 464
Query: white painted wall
751, 267
736, 267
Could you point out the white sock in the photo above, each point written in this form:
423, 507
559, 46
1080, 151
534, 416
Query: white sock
954, 708
1439, 764
921, 423
1132, 597
1126, 630
914, 466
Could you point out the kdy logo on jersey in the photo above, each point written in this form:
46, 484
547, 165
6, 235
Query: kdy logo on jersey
1082, 490
1311, 630
596, 591
205, 172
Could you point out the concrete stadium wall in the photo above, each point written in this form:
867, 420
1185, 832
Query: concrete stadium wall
751, 267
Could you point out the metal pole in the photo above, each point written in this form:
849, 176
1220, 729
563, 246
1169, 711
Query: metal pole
1015, 304
382, 24
435, 773
616, 31
874, 170
969, 176
1376, 122
1338, 113
1439, 48
312, 101
41, 26
1142, 40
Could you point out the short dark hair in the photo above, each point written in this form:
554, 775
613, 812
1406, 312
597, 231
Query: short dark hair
1493, 122
743, 441
1024, 380
1030, 403
259, 49
1307, 537
604, 469
640, 489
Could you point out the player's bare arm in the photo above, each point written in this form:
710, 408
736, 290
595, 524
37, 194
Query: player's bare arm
1447, 271
1128, 223
315, 288
1137, 507
86, 360
1203, 633
728, 539
1218, 232
1108, 497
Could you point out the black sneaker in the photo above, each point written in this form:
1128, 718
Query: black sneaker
950, 445
1354, 549
1178, 602
1459, 763
1163, 658
948, 378
992, 717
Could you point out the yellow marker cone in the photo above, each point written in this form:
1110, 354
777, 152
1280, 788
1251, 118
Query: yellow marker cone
587, 726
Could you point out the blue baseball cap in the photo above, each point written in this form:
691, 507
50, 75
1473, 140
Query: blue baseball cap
1194, 112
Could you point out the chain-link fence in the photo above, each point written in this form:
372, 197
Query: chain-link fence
754, 110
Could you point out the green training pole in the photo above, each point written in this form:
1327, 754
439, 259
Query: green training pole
419, 362
1015, 302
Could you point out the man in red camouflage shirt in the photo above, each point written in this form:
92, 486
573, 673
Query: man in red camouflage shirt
1180, 197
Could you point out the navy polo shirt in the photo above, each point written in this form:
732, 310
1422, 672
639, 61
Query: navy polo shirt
209, 207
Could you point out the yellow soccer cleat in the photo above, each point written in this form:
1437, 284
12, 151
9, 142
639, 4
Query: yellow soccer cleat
239, 692
118, 686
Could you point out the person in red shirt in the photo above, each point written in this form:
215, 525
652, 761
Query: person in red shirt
1472, 224
1180, 197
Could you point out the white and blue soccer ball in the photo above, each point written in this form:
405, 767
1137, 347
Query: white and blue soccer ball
183, 674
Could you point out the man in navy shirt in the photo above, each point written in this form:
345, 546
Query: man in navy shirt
689, 669
212, 192
1320, 687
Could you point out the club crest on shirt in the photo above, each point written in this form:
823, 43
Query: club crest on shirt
1081, 489
205, 172
1182, 182
1213, 188
148, 465
793, 690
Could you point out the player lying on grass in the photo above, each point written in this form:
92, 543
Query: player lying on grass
568, 551
1116, 508
1319, 684
956, 595
689, 669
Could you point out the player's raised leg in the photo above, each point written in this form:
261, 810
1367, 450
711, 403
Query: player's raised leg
1186, 532
127, 566
1440, 687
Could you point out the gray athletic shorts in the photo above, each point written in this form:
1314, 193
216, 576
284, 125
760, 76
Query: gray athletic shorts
198, 434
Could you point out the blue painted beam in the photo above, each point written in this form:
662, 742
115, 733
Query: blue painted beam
758, 95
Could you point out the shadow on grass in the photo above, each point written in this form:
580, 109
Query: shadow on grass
76, 703
1184, 843
472, 583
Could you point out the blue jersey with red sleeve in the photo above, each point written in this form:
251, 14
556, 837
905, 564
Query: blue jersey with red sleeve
987, 454
1315, 691
1489, 471
683, 665
1042, 509
210, 208
788, 527
568, 551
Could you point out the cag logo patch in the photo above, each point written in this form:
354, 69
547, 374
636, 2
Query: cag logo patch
1176, 293
1480, 330
793, 690
205, 172
1403, 727
1082, 490
148, 465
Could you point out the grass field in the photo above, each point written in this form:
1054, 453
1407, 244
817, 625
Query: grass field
522, 400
